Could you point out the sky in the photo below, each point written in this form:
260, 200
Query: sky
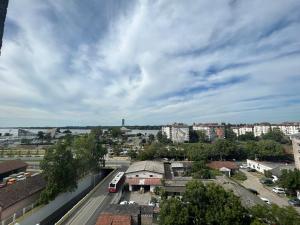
150, 61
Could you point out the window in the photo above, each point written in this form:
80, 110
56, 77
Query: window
150, 175
136, 175
112, 185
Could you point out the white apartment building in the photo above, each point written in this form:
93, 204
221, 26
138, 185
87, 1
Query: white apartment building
236, 130
178, 133
296, 150
288, 128
167, 130
208, 129
242, 130
260, 129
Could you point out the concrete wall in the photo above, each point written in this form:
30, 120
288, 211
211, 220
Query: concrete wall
258, 166
18, 207
41, 215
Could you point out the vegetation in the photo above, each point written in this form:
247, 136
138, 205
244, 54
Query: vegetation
276, 135
201, 171
240, 176
290, 179
162, 138
211, 204
203, 204
68, 160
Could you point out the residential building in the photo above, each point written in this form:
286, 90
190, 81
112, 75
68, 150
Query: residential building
3, 11
260, 129
226, 167
287, 128
208, 128
240, 130
274, 167
10, 167
167, 130
296, 149
26, 134
177, 132
145, 175
126, 215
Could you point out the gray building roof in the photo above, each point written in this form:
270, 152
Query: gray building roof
278, 170
150, 166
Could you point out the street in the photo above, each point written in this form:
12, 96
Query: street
89, 212
253, 183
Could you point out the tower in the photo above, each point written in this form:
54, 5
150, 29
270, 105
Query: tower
123, 122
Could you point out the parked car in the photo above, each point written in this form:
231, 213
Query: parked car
266, 181
11, 181
265, 200
124, 203
278, 190
132, 203
251, 169
2, 185
294, 202
253, 191
151, 204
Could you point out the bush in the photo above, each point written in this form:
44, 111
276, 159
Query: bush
239, 176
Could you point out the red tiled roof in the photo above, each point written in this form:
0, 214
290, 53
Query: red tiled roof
143, 181
220, 164
110, 219
10, 165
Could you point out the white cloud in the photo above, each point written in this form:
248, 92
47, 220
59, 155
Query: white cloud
150, 62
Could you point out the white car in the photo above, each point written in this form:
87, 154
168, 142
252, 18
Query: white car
278, 190
266, 200
131, 202
124, 203
151, 204
243, 166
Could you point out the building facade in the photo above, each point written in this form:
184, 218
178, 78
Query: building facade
3, 11
260, 129
296, 150
178, 133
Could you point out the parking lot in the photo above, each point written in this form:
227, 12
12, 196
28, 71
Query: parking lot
136, 196
265, 192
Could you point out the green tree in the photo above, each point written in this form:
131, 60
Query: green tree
116, 132
41, 135
151, 138
276, 135
198, 151
248, 136
172, 212
201, 171
132, 154
225, 149
290, 179
59, 170
269, 149
162, 138
229, 134
275, 215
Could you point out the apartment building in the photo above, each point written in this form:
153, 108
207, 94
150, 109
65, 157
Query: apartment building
240, 130
287, 128
260, 129
177, 132
207, 128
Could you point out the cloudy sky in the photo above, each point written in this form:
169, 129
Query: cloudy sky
74, 62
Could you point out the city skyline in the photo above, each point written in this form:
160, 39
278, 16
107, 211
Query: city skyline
150, 62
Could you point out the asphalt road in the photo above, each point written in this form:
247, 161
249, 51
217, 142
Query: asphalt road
89, 212
253, 182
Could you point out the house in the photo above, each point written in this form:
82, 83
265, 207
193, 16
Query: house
13, 198
226, 167
126, 215
145, 175
110, 219
11, 166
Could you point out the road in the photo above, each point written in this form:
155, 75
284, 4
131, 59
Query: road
247, 198
253, 183
89, 212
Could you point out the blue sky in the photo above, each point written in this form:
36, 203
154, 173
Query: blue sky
150, 61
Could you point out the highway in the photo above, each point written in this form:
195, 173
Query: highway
89, 212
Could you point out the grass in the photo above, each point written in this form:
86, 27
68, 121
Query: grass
239, 176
